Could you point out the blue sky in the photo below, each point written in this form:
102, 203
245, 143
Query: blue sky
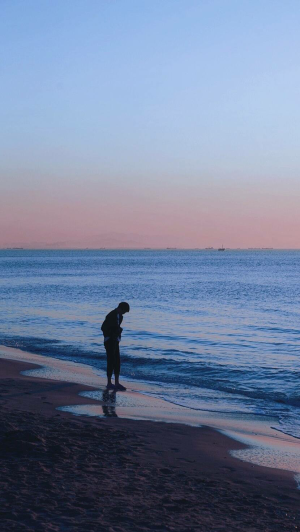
182, 99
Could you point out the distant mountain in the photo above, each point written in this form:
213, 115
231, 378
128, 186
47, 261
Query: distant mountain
109, 240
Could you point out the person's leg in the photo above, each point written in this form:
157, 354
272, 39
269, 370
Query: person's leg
117, 365
117, 362
109, 347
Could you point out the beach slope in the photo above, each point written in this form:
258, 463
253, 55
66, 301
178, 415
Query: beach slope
62, 472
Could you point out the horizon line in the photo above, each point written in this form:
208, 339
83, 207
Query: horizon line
252, 248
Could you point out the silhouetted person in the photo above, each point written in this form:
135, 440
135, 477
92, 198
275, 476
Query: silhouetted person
112, 330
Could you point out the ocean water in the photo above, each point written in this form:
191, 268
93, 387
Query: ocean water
214, 331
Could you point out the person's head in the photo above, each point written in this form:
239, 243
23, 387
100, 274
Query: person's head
123, 307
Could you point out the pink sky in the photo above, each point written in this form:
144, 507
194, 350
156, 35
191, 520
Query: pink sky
207, 213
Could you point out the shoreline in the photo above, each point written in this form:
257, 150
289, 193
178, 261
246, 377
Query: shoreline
262, 443
183, 477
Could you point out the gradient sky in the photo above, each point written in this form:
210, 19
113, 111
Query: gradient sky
174, 119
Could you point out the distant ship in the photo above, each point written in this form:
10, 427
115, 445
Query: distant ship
222, 248
209, 248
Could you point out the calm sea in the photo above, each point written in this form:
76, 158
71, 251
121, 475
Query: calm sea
214, 331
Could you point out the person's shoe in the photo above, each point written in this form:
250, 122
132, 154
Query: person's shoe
110, 386
120, 388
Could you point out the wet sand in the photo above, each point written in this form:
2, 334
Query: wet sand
60, 472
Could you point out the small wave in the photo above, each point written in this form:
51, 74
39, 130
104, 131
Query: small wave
289, 423
230, 410
165, 368
289, 432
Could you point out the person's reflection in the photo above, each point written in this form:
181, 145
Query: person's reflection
109, 404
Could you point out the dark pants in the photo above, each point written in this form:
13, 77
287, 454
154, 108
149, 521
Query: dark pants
113, 357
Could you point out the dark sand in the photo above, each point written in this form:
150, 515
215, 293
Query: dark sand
65, 473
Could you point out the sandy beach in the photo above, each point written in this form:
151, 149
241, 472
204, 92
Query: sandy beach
62, 472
